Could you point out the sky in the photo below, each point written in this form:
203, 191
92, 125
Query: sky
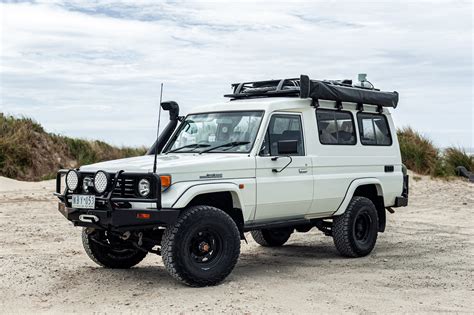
92, 69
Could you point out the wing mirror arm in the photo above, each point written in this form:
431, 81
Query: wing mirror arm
286, 148
274, 170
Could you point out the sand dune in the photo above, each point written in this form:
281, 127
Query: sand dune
423, 263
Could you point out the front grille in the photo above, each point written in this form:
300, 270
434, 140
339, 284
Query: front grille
125, 188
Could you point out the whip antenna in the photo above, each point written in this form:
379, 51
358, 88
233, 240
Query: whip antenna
158, 128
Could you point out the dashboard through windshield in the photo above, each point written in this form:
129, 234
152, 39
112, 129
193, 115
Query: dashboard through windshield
231, 132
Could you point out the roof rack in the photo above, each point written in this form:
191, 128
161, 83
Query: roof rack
332, 90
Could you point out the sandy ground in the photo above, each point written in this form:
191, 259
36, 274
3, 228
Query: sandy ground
422, 263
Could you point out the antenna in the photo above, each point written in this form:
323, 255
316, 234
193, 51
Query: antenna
158, 127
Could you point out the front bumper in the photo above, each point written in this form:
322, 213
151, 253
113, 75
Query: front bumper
116, 213
119, 219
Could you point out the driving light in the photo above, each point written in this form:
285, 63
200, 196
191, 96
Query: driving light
72, 180
101, 181
144, 187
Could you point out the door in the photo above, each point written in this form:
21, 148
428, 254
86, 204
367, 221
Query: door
284, 182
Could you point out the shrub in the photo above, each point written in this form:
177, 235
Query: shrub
454, 157
419, 153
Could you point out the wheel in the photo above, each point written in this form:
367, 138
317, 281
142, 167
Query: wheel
355, 231
271, 237
109, 251
202, 247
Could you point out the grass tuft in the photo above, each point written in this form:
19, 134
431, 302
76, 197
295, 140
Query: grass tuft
28, 152
418, 152
421, 156
454, 157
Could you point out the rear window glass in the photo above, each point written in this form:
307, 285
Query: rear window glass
373, 129
335, 127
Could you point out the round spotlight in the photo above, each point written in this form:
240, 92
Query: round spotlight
72, 180
144, 187
101, 180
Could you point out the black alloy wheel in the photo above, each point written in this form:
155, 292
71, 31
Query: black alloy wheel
355, 231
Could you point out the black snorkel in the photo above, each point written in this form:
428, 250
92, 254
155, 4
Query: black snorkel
163, 138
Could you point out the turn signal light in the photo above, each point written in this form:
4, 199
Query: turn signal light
165, 181
143, 215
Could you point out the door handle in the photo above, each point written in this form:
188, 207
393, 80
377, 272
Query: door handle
303, 170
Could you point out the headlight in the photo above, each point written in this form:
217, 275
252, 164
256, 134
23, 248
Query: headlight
144, 187
86, 183
72, 180
101, 181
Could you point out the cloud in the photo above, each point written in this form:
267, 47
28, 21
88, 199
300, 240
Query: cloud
85, 68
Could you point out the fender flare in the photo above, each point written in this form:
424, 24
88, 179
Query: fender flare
206, 188
352, 188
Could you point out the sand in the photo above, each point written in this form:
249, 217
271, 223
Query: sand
422, 263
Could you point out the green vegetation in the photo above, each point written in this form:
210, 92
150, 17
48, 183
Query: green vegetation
454, 157
418, 152
27, 152
421, 156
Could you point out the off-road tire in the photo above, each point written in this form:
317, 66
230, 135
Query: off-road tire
271, 237
178, 250
352, 241
106, 257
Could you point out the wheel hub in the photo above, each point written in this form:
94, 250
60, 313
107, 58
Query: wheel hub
204, 247
362, 227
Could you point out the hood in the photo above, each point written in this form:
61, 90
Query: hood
185, 166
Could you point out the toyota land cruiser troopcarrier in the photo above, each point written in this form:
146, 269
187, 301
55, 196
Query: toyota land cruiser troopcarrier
281, 156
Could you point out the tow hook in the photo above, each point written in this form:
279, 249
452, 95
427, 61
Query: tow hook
125, 236
88, 218
389, 209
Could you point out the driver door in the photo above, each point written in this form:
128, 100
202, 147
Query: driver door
289, 193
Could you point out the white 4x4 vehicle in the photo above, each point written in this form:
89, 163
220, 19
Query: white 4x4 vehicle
281, 156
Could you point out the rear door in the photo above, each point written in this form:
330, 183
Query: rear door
284, 183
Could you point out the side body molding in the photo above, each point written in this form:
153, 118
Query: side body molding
352, 188
206, 188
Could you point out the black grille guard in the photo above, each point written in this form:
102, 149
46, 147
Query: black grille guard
106, 197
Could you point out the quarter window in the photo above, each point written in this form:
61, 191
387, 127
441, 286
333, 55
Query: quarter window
373, 129
335, 127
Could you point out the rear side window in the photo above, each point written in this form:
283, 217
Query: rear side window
373, 129
335, 127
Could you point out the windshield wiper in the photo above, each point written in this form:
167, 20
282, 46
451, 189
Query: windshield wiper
229, 144
194, 145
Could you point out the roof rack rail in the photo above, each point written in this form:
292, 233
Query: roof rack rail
284, 87
303, 87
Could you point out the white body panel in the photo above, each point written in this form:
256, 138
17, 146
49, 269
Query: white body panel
319, 184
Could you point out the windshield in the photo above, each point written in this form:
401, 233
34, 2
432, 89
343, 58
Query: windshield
220, 132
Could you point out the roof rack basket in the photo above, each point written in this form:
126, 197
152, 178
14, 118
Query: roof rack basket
303, 87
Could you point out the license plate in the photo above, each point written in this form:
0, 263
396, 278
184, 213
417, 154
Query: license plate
83, 201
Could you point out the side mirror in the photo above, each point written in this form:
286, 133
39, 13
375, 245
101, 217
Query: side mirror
287, 147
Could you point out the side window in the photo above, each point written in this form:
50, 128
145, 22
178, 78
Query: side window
282, 127
335, 127
373, 129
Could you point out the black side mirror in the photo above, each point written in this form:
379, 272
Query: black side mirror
287, 147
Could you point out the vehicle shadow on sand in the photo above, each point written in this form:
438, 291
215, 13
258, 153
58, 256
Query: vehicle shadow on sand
253, 262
